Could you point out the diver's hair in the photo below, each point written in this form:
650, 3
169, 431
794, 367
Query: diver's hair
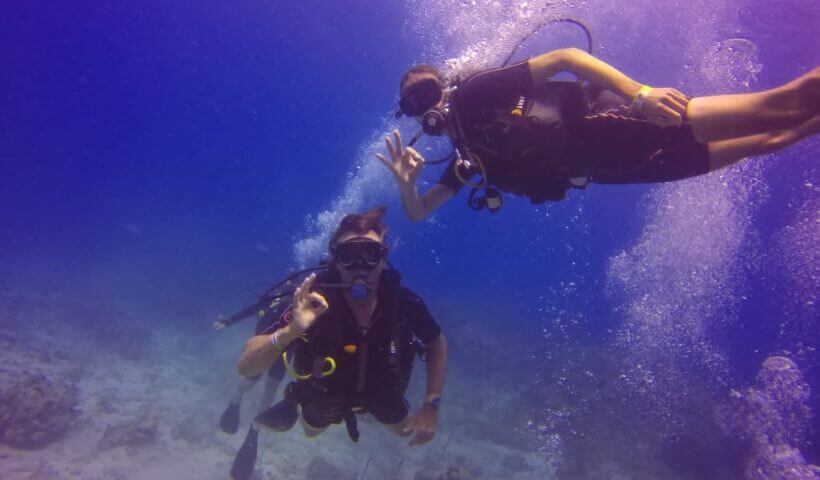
360, 224
421, 68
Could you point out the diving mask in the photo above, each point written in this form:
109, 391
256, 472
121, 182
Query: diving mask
359, 254
421, 97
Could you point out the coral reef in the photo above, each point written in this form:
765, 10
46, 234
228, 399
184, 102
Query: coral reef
773, 418
36, 411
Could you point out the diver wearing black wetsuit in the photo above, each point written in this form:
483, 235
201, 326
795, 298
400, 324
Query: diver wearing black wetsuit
533, 139
376, 386
516, 130
348, 340
372, 371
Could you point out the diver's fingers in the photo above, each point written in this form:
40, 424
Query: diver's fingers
297, 299
407, 160
390, 151
307, 283
300, 295
675, 103
416, 155
415, 169
318, 302
385, 161
673, 116
397, 136
680, 94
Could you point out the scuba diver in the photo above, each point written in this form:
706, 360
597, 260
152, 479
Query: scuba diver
348, 337
516, 130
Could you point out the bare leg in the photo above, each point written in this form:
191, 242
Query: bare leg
242, 388
727, 152
268, 394
725, 117
229, 420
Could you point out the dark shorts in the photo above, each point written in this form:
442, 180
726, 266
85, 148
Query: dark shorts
322, 411
613, 147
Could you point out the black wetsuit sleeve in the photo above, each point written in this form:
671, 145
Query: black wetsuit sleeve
418, 317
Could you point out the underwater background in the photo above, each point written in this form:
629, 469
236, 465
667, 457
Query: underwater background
161, 163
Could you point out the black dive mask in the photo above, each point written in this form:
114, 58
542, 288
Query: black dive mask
363, 254
421, 97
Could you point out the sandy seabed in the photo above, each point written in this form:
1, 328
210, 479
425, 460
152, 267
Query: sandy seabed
146, 407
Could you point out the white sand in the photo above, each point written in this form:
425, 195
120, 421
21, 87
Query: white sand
184, 393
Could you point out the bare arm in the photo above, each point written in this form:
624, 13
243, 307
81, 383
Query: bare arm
583, 65
661, 106
261, 351
418, 207
422, 426
406, 164
436, 366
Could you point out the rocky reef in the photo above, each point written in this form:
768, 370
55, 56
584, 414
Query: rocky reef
772, 418
36, 411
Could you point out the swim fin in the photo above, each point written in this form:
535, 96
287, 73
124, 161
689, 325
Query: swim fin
280, 417
229, 421
245, 460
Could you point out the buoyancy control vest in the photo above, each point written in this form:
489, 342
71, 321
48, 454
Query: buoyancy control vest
523, 149
381, 357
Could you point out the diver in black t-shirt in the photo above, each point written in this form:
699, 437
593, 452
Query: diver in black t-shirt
349, 338
518, 131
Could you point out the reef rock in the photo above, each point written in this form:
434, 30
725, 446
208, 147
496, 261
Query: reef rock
773, 418
35, 411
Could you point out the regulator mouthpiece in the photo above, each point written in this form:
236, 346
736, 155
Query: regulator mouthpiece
359, 291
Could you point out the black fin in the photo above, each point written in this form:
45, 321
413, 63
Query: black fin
229, 421
280, 417
351, 425
245, 460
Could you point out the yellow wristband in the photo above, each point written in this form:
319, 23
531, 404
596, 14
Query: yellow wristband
641, 96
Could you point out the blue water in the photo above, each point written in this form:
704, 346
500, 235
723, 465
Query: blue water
169, 161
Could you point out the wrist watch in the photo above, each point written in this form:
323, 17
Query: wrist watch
434, 401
